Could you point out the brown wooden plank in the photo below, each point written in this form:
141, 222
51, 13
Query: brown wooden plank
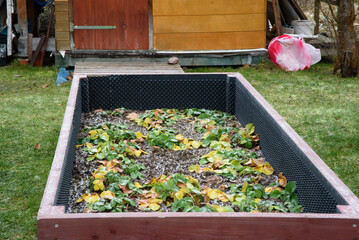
209, 23
62, 16
210, 41
277, 17
207, 7
62, 27
62, 7
37, 51
62, 45
198, 227
63, 36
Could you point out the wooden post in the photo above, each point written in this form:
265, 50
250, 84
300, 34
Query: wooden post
277, 18
9, 12
316, 16
23, 27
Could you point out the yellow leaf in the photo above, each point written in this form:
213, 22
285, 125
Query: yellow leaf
176, 148
79, 200
91, 198
139, 135
257, 200
100, 176
147, 122
206, 134
185, 141
98, 185
137, 185
230, 197
79, 145
180, 138
89, 145
268, 169
107, 195
282, 180
137, 153
154, 206
213, 193
194, 168
254, 211
196, 144
268, 189
245, 186
92, 133
179, 195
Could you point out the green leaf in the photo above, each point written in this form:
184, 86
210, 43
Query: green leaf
291, 186
275, 194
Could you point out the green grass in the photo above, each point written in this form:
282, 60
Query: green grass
321, 107
30, 114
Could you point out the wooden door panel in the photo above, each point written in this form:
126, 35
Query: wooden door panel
129, 16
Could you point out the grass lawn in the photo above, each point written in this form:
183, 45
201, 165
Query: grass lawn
321, 107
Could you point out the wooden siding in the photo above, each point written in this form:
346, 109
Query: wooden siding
62, 24
209, 24
129, 17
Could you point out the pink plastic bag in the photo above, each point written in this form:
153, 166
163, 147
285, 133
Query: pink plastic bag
292, 54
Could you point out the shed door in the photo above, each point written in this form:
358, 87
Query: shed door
127, 18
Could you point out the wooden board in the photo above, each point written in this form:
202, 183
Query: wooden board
106, 68
207, 7
129, 17
209, 23
213, 41
62, 24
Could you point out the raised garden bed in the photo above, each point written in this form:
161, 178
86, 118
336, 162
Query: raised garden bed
330, 208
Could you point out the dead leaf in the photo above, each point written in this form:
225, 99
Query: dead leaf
45, 85
18, 75
59, 104
133, 116
37, 146
222, 187
125, 189
258, 161
282, 180
100, 110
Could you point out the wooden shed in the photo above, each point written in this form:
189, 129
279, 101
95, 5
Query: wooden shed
199, 32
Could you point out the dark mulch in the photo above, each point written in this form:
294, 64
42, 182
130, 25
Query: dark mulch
157, 161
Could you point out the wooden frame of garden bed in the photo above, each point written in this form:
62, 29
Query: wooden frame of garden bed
54, 223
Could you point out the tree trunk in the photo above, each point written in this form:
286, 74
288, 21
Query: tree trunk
347, 42
316, 16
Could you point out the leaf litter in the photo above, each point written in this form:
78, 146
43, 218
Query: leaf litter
170, 160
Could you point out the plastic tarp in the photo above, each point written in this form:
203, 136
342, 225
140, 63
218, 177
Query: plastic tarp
292, 54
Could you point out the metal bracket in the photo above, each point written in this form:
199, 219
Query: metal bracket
74, 27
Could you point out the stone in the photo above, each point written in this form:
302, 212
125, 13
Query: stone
173, 60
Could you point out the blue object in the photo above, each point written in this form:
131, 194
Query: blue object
44, 3
62, 76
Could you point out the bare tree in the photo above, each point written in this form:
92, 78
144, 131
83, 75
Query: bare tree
347, 60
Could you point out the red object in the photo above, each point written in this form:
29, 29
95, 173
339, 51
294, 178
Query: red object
292, 54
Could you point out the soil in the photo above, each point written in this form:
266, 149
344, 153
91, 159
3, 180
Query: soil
157, 161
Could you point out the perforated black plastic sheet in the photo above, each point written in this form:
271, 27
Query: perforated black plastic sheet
62, 193
211, 91
143, 92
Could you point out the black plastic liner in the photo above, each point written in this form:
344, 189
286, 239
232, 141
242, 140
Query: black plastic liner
210, 91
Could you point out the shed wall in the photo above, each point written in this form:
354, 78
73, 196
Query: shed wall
209, 24
62, 24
